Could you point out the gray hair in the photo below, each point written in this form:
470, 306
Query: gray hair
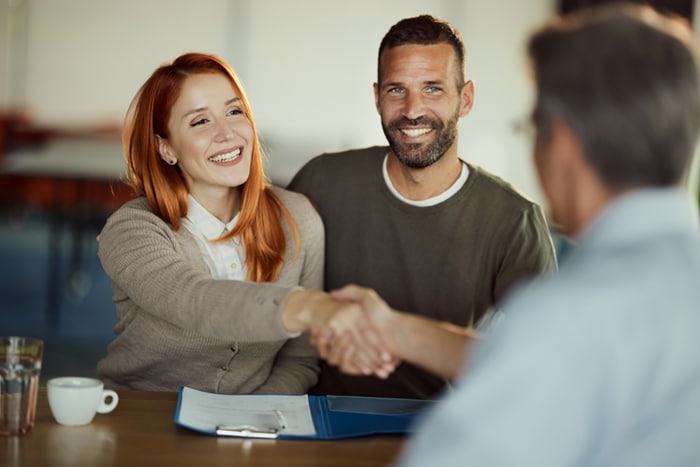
625, 80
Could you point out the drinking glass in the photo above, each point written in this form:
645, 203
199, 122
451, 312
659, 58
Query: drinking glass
20, 365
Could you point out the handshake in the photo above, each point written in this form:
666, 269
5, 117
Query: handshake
357, 336
354, 329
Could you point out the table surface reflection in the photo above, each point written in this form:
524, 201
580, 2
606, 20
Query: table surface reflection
141, 431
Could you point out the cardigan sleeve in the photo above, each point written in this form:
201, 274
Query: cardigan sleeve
161, 271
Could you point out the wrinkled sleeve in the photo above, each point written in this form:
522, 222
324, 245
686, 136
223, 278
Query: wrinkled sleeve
145, 261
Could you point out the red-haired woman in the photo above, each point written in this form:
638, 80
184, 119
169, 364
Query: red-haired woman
215, 272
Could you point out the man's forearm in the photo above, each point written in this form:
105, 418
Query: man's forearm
439, 347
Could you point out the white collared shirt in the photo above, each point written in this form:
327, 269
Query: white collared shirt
225, 260
454, 188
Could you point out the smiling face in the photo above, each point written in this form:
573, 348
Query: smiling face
420, 101
210, 137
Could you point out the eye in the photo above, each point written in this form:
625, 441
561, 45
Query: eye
433, 89
199, 122
394, 90
235, 112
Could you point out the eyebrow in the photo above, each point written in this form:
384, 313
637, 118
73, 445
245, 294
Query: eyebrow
433, 82
392, 84
201, 109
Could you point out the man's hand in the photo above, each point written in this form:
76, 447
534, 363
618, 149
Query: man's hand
356, 339
376, 343
341, 331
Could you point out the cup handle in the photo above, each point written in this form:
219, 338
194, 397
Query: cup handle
107, 407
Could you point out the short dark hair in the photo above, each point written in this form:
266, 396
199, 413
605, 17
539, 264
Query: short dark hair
625, 79
424, 30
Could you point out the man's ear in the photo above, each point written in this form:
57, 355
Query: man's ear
467, 98
567, 144
165, 151
376, 97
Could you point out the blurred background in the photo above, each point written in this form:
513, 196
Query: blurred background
69, 69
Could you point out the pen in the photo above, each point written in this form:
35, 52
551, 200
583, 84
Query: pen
280, 419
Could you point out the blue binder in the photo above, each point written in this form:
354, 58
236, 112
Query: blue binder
333, 417
338, 417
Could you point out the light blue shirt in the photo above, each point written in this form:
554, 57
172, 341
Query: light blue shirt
595, 365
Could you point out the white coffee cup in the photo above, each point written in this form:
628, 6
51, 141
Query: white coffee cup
74, 400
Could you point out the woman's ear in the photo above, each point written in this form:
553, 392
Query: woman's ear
165, 151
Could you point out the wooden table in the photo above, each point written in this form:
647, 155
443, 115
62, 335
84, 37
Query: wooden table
141, 432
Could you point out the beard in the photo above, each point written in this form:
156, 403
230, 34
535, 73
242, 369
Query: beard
421, 155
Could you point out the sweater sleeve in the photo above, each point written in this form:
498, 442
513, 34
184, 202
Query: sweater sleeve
151, 266
528, 250
295, 370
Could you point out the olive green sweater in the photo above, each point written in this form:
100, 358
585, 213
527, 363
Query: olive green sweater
452, 261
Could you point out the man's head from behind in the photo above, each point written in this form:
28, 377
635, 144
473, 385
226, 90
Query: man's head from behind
624, 80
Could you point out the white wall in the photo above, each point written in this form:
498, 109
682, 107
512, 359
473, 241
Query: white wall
495, 37
307, 66
13, 34
87, 58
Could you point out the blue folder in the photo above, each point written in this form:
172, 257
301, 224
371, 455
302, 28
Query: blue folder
333, 417
338, 417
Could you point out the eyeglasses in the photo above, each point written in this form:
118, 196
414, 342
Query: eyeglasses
533, 126
526, 127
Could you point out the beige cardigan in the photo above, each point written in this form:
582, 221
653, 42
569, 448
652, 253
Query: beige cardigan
176, 325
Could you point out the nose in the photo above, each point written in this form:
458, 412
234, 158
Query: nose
223, 130
414, 107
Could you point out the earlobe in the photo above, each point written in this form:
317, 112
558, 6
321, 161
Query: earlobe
164, 150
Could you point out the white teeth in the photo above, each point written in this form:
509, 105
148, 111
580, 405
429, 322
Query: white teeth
226, 157
416, 132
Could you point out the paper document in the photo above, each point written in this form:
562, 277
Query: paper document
203, 411
295, 416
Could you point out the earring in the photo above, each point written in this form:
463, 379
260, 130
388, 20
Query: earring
172, 162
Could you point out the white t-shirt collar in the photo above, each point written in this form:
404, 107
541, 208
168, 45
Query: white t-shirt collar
445, 195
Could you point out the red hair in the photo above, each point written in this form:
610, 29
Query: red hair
260, 220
